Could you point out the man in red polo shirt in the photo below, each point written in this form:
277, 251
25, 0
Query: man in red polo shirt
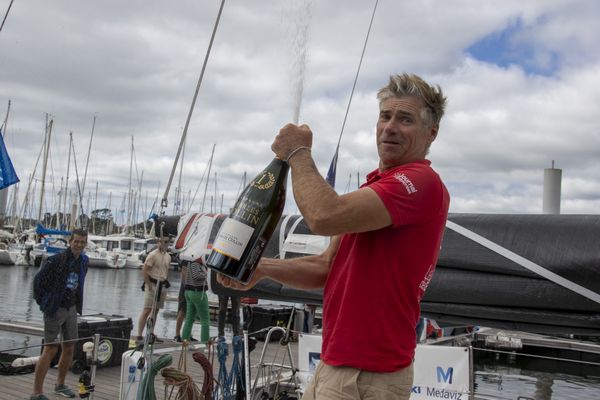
386, 238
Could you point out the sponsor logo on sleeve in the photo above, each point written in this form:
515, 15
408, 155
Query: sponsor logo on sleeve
408, 185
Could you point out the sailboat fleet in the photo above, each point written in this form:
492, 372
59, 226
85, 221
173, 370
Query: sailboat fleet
25, 244
29, 233
114, 251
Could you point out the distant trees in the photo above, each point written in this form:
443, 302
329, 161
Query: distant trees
98, 222
101, 222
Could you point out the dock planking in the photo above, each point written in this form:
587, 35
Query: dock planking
108, 379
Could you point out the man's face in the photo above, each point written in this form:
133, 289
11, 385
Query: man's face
401, 133
163, 244
77, 244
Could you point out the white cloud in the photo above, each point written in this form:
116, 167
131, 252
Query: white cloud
135, 65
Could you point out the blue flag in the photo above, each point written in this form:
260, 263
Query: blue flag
332, 170
8, 176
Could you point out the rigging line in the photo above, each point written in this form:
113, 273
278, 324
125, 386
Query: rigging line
193, 199
525, 263
208, 177
178, 194
356, 77
27, 192
164, 201
242, 185
207, 168
6, 15
155, 200
537, 356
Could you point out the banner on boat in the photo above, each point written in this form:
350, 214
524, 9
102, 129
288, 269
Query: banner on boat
440, 372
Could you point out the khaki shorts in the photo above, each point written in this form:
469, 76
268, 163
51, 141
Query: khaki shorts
343, 383
149, 294
63, 324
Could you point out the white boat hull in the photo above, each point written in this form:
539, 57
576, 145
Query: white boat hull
7, 257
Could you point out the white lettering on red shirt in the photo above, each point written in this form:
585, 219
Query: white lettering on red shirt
425, 282
408, 185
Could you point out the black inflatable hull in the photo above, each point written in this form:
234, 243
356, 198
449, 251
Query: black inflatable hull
474, 285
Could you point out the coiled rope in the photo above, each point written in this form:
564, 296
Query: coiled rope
208, 384
146, 390
178, 377
187, 389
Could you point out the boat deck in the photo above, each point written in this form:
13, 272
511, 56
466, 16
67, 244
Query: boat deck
108, 379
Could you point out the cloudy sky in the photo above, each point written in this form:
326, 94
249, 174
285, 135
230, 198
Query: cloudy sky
522, 80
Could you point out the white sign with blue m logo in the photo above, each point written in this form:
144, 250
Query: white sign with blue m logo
441, 372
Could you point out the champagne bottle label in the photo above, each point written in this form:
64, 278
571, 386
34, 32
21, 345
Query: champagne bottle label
232, 238
244, 234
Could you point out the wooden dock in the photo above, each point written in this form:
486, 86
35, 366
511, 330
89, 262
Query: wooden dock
108, 379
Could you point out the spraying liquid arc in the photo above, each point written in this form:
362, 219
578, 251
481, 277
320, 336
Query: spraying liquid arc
301, 14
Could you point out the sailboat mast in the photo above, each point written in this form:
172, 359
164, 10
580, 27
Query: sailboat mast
67, 178
129, 189
4, 192
216, 192
87, 161
13, 207
109, 222
144, 212
44, 166
95, 208
31, 205
164, 201
6, 15
179, 193
60, 194
139, 201
78, 196
28, 194
5, 123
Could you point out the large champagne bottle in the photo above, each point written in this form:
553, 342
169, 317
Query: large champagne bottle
245, 233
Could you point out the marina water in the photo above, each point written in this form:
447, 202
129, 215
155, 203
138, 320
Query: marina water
117, 292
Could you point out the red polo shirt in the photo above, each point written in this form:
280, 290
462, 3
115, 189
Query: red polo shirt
371, 297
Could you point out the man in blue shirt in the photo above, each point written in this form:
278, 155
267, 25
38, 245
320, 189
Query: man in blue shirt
58, 289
